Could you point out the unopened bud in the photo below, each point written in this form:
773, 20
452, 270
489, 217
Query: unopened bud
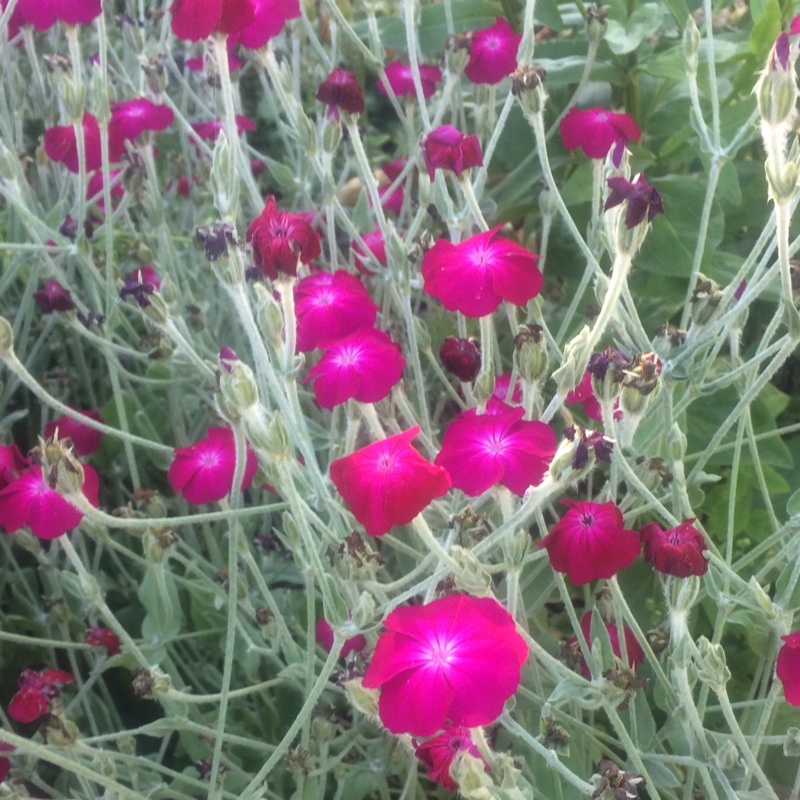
596, 23
331, 135
224, 177
691, 45
269, 316
548, 205
237, 387
782, 180
527, 85
776, 90
711, 666
267, 434
530, 353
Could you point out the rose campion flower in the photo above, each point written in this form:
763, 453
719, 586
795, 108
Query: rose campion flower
30, 500
677, 551
584, 394
209, 131
388, 483
642, 199
375, 246
590, 542
501, 392
281, 240
596, 131
269, 19
12, 464
140, 284
85, 440
364, 366
447, 148
44, 15
198, 19
341, 90
61, 145
329, 307
324, 636
131, 118
787, 667
392, 201
632, 646
473, 277
461, 357
35, 690
203, 472
457, 660
199, 65
401, 79
94, 188
492, 53
103, 637
482, 450
54, 297
438, 754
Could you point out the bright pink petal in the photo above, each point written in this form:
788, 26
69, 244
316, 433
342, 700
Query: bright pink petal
493, 53
416, 701
787, 668
27, 705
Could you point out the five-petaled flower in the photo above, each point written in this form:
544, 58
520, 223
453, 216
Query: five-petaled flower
447, 148
492, 53
198, 19
103, 637
677, 551
61, 145
281, 240
596, 131
641, 198
457, 660
132, 117
400, 78
341, 89
388, 482
590, 542
787, 667
474, 276
35, 690
203, 472
439, 753
633, 650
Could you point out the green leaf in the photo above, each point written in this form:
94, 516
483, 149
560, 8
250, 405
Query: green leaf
644, 22
766, 29
793, 506
159, 595
679, 11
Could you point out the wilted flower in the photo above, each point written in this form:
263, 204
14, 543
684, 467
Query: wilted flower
198, 19
54, 297
140, 284
103, 637
642, 199
341, 89
461, 357
584, 394
677, 551
401, 78
492, 53
438, 754
596, 131
35, 690
85, 440
324, 636
787, 667
448, 148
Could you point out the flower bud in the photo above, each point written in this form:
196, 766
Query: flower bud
782, 180
269, 316
641, 383
527, 85
691, 45
791, 747
596, 23
547, 202
472, 579
711, 666
267, 433
224, 177
776, 90
331, 135
151, 683
705, 299
237, 386
469, 772
158, 543
363, 700
530, 353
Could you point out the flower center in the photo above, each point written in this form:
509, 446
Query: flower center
587, 520
441, 654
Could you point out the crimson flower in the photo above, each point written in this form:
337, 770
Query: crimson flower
35, 689
140, 284
794, 27
461, 357
480, 451
12, 464
209, 131
502, 385
269, 19
401, 78
329, 307
457, 659
198, 64
198, 19
678, 551
447, 148
85, 440
355, 644
280, 240
632, 647
132, 117
94, 188
392, 201
474, 276
61, 145
388, 482
54, 297
596, 131
590, 542
438, 754
375, 246
787, 668
43, 15
584, 393
103, 637
642, 199
5, 764
341, 89
364, 365
492, 53
31, 501
203, 472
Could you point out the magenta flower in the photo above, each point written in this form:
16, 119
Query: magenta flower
140, 284
393, 201
131, 118
787, 668
448, 148
209, 131
103, 637
198, 19
203, 472
492, 53
54, 297
584, 393
5, 763
678, 551
596, 131
35, 690
43, 15
474, 276
632, 646
388, 482
502, 384
438, 754
329, 307
794, 27
31, 501
11, 464
457, 660
401, 78
480, 451
364, 365
198, 64
269, 19
590, 542
461, 357
85, 440
94, 188
61, 145
642, 199
375, 246
355, 644
341, 89
281, 240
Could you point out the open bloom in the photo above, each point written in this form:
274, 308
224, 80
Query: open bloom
590, 542
480, 451
35, 690
329, 307
457, 659
364, 365
85, 440
198, 19
11, 464
269, 19
401, 78
61, 145
203, 472
787, 667
584, 394
447, 148
140, 284
43, 15
492, 53
341, 89
209, 131
388, 482
132, 117
642, 199
54, 297
103, 637
30, 500
632, 647
375, 246
596, 131
474, 276
281, 240
355, 644
678, 551
438, 754
461, 357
